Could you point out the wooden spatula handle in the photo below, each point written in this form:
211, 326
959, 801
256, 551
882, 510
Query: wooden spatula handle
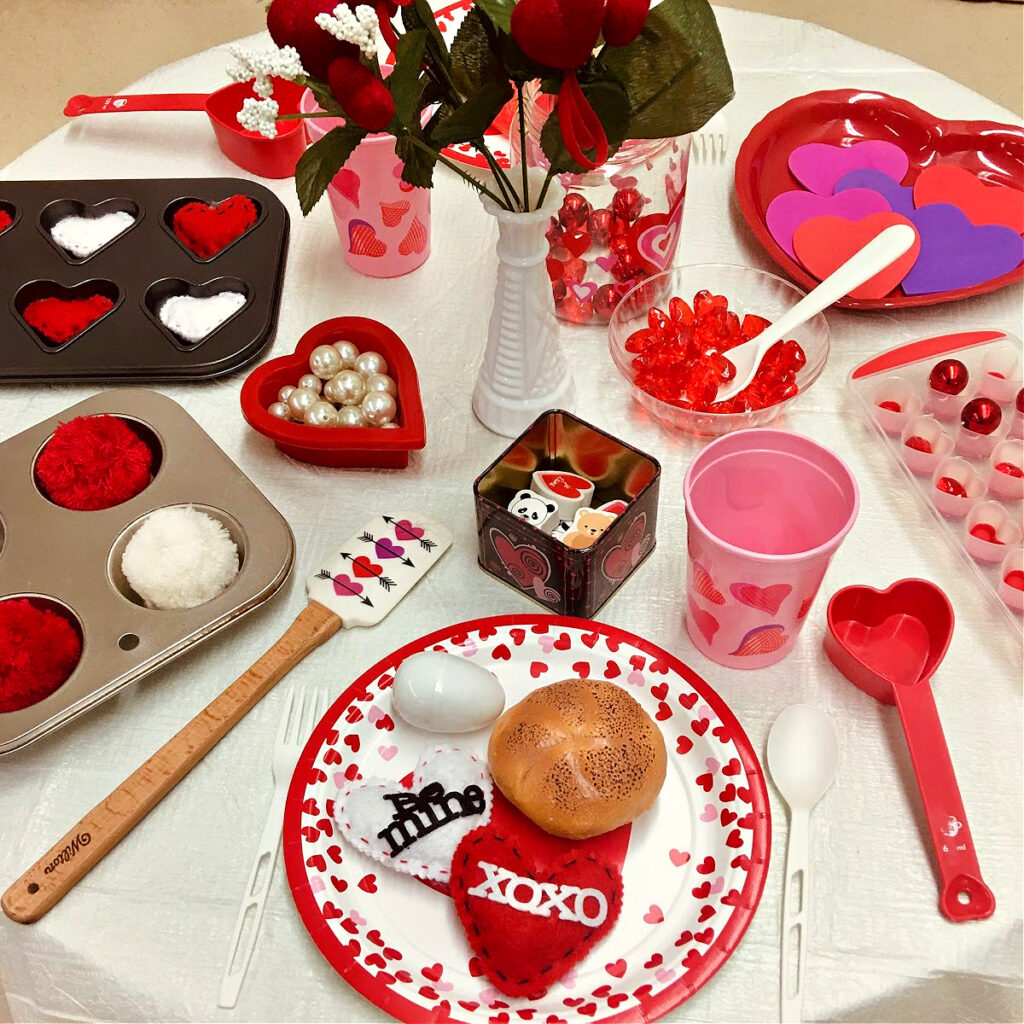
89, 841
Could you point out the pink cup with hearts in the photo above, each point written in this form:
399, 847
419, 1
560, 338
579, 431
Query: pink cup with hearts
765, 512
383, 222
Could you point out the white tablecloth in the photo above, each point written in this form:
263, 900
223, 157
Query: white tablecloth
145, 935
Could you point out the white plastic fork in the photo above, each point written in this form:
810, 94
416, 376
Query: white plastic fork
711, 143
303, 709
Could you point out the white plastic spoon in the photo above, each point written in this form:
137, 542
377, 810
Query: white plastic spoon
803, 754
886, 247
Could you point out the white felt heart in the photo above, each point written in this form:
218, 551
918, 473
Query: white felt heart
416, 830
194, 317
82, 236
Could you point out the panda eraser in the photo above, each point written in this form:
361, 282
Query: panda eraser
533, 509
569, 491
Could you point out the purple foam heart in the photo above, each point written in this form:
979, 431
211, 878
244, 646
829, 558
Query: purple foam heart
788, 210
958, 254
900, 199
818, 166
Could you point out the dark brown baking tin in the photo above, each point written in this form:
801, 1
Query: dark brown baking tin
566, 580
129, 344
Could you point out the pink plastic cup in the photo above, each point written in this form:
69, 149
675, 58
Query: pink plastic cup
765, 512
383, 222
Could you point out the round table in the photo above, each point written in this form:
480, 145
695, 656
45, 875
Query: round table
144, 937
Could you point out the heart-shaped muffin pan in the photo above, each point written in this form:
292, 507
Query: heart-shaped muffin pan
74, 308
58, 212
992, 152
201, 311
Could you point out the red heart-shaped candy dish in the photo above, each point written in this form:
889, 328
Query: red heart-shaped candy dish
340, 446
992, 151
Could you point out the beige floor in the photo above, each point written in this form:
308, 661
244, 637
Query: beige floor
52, 49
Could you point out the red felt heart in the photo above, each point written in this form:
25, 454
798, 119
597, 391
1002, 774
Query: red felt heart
823, 244
208, 228
983, 204
557, 33
60, 319
495, 879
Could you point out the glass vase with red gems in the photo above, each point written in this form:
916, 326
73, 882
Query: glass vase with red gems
618, 223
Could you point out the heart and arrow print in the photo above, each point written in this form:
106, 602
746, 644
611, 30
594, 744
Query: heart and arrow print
365, 581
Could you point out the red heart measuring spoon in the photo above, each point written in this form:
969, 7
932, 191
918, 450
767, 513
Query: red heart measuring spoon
889, 643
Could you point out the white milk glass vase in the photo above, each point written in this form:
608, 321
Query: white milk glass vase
524, 371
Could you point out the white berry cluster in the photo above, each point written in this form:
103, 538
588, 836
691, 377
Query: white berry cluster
259, 116
284, 62
357, 26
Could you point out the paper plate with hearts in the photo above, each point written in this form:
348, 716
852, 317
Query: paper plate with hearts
692, 868
820, 175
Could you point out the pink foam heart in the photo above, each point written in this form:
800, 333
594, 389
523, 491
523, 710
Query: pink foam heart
583, 290
788, 210
607, 262
818, 165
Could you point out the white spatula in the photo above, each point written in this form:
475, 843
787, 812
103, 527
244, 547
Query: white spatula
358, 586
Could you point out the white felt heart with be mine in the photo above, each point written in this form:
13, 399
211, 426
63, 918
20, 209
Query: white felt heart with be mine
416, 830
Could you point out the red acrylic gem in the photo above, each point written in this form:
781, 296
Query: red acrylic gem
627, 267
680, 311
890, 405
981, 415
556, 246
951, 486
753, 325
556, 269
918, 443
606, 298
574, 269
575, 212
1009, 469
618, 244
558, 289
949, 377
1014, 578
985, 532
627, 204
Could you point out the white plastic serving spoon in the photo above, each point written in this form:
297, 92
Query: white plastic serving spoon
803, 754
886, 247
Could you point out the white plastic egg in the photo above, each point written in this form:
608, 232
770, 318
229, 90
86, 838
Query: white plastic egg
442, 693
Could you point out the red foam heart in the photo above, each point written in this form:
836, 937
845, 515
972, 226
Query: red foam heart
208, 228
983, 204
823, 244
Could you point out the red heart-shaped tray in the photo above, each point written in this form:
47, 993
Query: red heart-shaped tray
340, 446
993, 151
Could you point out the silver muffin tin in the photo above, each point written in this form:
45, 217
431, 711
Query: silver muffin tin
71, 560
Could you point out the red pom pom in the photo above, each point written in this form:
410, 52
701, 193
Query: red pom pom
557, 33
60, 320
39, 649
623, 20
362, 95
5, 220
94, 462
292, 23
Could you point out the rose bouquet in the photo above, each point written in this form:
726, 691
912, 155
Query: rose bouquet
617, 69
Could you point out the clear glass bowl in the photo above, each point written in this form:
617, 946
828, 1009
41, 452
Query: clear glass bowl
748, 291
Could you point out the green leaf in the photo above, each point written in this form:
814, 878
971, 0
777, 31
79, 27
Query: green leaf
610, 103
404, 80
474, 54
418, 16
322, 94
676, 71
418, 164
322, 161
471, 119
499, 11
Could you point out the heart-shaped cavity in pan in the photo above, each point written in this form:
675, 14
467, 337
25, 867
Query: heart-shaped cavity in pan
55, 212
69, 307
197, 296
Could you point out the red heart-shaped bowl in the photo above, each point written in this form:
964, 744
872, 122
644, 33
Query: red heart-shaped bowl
339, 446
992, 151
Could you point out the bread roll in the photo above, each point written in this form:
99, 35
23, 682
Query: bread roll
579, 757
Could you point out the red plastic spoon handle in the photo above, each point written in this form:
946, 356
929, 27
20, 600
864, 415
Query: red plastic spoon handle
83, 104
964, 896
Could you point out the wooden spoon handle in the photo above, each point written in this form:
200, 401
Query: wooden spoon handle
89, 841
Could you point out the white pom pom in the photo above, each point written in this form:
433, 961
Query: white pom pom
179, 558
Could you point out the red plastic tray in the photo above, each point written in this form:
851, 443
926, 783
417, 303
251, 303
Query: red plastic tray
993, 151
340, 446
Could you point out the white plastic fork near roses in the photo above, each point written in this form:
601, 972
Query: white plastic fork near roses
885, 248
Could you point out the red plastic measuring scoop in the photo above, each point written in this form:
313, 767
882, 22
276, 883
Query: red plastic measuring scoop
269, 158
889, 643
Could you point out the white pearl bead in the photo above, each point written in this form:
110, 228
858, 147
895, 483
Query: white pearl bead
379, 408
351, 416
282, 395
280, 410
321, 414
325, 361
371, 362
381, 382
299, 401
390, 426
347, 388
311, 382
348, 352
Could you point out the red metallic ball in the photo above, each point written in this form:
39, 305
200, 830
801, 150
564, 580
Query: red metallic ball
981, 415
600, 225
627, 204
606, 298
949, 377
627, 267
575, 212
